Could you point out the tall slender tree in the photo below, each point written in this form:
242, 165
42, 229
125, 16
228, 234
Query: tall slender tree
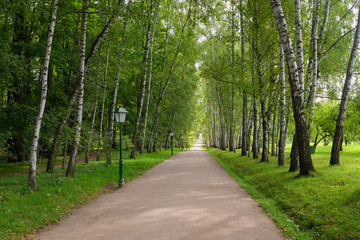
44, 88
302, 134
339, 130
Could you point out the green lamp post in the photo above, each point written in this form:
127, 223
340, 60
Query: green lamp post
172, 142
120, 116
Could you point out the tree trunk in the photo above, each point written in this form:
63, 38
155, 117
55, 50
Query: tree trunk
244, 105
141, 96
94, 112
314, 38
65, 155
232, 113
110, 136
299, 45
250, 126
99, 39
149, 80
282, 140
214, 128
273, 131
258, 136
337, 141
70, 171
244, 125
266, 130
103, 105
152, 143
255, 145
294, 156
306, 165
44, 77
239, 137
59, 129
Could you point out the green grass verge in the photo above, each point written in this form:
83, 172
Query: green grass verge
23, 211
324, 206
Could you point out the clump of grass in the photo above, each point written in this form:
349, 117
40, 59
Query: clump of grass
324, 206
23, 211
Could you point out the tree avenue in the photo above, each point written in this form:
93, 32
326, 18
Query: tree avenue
249, 75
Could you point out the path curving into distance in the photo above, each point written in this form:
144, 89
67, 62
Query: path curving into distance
187, 197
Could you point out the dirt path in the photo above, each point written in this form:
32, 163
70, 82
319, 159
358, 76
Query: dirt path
187, 197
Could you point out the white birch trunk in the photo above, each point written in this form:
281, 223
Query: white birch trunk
141, 96
114, 98
149, 80
302, 134
103, 105
70, 171
44, 86
335, 150
282, 141
162, 93
314, 36
94, 112
299, 45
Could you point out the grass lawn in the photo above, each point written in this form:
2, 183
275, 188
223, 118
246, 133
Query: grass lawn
323, 206
24, 166
23, 211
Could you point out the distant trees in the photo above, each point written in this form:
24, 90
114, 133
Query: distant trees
259, 82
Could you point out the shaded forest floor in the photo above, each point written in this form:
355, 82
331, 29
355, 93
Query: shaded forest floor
9, 169
23, 211
323, 206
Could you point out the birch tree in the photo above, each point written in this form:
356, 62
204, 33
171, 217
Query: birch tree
152, 142
142, 87
70, 171
150, 78
115, 91
302, 134
282, 139
339, 130
44, 87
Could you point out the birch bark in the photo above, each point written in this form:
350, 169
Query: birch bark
99, 39
44, 87
110, 136
282, 140
141, 96
244, 98
306, 165
335, 150
232, 113
70, 171
94, 112
314, 37
152, 145
149, 80
103, 105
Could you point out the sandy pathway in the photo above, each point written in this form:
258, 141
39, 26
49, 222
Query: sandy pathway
188, 197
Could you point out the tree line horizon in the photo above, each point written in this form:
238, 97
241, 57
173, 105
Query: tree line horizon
258, 67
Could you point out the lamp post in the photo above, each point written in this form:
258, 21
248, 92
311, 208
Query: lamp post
182, 143
172, 142
120, 116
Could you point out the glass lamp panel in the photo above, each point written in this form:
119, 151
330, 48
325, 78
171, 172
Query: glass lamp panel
117, 117
122, 117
